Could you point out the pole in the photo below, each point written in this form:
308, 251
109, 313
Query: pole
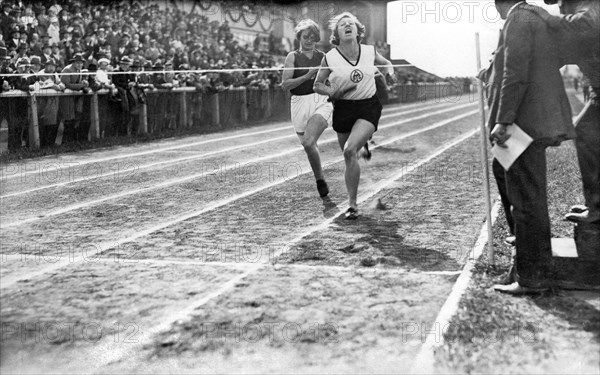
484, 159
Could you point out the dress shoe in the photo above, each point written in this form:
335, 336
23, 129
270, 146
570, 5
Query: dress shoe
578, 208
574, 285
510, 240
516, 289
583, 217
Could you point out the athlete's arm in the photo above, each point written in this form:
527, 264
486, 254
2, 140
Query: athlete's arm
320, 87
385, 65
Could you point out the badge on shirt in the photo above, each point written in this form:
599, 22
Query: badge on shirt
356, 76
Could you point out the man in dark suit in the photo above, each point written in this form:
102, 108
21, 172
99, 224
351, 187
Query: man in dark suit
492, 78
125, 82
532, 96
71, 107
578, 32
6, 20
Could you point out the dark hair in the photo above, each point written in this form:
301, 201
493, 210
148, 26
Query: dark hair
311, 26
335, 38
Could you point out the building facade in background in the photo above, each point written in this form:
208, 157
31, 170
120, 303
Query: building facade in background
270, 24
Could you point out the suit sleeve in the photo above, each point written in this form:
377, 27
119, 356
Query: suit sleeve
518, 49
582, 22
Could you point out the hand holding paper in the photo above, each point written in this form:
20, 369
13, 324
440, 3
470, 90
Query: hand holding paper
499, 135
515, 141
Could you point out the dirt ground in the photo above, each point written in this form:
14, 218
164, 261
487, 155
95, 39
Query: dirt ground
214, 254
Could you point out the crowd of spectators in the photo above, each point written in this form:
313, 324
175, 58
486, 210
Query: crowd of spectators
125, 47
150, 37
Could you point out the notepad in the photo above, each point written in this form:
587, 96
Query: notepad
517, 143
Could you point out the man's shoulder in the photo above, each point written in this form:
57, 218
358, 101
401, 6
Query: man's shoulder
523, 15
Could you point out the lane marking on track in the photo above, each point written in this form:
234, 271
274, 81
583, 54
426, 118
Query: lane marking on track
424, 363
206, 174
207, 154
246, 265
186, 313
399, 110
9, 281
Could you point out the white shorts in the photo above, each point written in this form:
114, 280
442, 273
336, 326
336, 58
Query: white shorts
303, 107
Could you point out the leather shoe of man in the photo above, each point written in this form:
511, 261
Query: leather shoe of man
516, 289
578, 208
574, 285
583, 217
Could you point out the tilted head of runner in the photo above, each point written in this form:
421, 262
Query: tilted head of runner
346, 26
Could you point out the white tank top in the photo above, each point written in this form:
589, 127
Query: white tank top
344, 74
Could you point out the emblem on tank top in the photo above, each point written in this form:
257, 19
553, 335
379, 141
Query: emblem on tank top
356, 76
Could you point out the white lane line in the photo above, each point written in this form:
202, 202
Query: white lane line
206, 174
425, 361
236, 265
193, 144
200, 156
110, 245
186, 313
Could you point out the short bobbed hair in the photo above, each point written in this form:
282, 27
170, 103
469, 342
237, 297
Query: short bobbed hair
311, 26
333, 23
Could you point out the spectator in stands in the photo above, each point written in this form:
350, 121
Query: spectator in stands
43, 20
28, 19
36, 64
48, 106
125, 82
102, 77
18, 133
15, 38
53, 31
55, 54
6, 20
21, 51
71, 107
4, 69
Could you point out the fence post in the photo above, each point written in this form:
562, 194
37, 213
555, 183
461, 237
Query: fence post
182, 111
269, 105
214, 109
3, 135
143, 118
94, 132
243, 104
34, 129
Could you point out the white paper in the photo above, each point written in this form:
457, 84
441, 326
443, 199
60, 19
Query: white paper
517, 143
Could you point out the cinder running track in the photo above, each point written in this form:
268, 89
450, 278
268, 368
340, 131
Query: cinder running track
214, 253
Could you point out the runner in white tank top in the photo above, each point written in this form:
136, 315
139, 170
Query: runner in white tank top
347, 76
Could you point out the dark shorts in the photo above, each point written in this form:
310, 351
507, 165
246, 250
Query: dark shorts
346, 112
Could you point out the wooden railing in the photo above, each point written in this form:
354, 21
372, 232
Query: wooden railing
235, 106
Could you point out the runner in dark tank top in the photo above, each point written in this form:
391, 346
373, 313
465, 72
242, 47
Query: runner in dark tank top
311, 113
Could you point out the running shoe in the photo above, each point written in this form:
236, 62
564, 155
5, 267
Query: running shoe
351, 214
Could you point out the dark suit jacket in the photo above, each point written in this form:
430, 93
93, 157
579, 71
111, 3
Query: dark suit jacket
532, 93
72, 82
579, 36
